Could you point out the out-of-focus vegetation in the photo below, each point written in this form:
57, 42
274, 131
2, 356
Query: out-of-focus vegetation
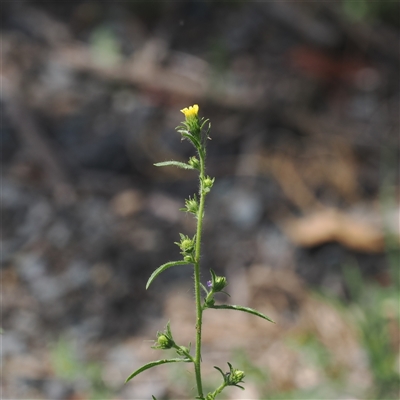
69, 367
373, 311
372, 11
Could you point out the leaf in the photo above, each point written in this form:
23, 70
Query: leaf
203, 122
174, 163
213, 275
241, 308
192, 139
154, 364
169, 329
163, 268
220, 370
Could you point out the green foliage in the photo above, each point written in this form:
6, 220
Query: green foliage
376, 310
105, 47
370, 11
314, 351
68, 366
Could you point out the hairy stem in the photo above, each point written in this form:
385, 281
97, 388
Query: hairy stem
199, 309
219, 390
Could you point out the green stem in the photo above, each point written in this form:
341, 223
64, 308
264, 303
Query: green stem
199, 309
219, 390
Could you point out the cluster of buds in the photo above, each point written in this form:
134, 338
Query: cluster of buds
187, 246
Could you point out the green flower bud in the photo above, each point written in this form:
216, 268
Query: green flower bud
192, 205
208, 184
189, 258
219, 284
186, 245
194, 162
164, 339
164, 342
235, 377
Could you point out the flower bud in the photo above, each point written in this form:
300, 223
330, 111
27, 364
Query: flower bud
219, 284
164, 339
235, 377
189, 258
186, 245
192, 205
194, 162
208, 184
164, 342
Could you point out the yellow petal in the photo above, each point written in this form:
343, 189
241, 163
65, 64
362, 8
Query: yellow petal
191, 111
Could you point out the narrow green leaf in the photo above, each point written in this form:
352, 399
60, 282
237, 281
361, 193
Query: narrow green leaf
169, 329
220, 370
241, 308
174, 163
163, 268
203, 123
192, 139
154, 364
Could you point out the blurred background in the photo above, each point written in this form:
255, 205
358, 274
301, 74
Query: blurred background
303, 218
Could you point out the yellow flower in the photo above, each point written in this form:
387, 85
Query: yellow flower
192, 111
